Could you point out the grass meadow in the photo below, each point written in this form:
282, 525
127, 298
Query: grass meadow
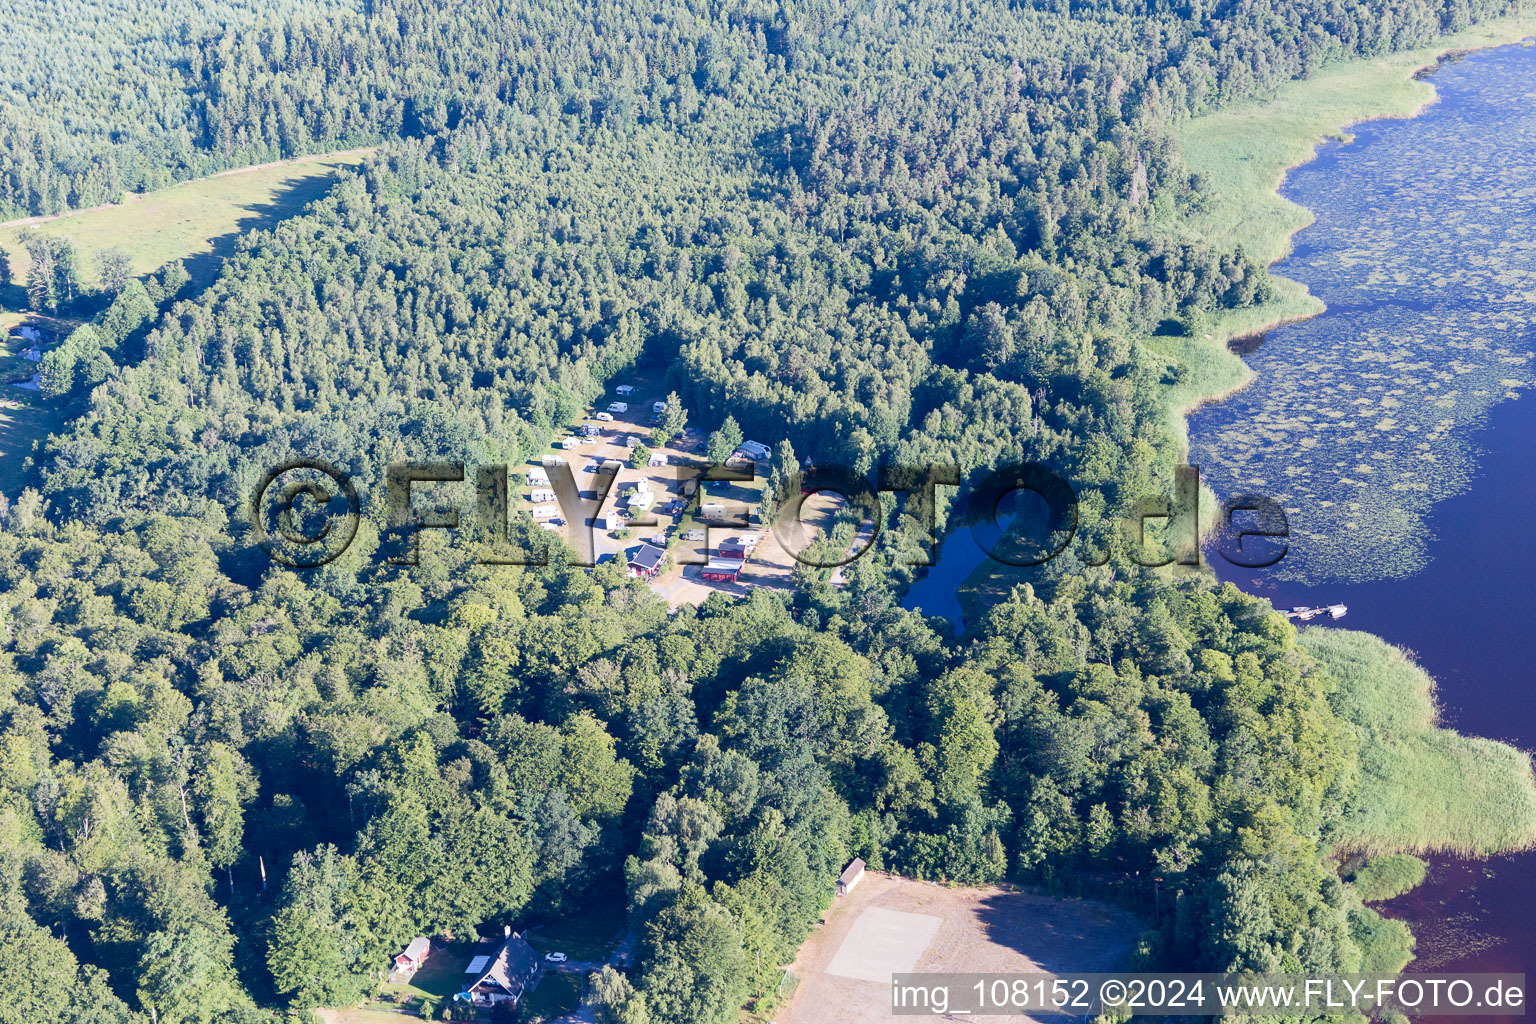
1423, 788
195, 221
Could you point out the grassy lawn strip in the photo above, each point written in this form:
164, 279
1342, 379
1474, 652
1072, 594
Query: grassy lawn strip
441, 976
555, 996
196, 221
361, 1015
1423, 788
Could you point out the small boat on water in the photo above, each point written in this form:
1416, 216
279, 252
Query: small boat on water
1306, 613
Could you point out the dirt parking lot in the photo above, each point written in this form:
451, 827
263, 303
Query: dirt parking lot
889, 924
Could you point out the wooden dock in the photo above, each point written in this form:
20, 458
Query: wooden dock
1306, 613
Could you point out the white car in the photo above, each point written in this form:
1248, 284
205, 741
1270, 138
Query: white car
606, 417
555, 958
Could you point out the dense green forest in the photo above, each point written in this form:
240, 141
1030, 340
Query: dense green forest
873, 234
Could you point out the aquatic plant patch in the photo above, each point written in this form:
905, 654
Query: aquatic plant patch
1362, 419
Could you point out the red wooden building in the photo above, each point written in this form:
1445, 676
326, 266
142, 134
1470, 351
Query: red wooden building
646, 561
722, 570
408, 962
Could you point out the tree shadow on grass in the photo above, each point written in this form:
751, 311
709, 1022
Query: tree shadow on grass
1059, 934
296, 193
34, 417
22, 424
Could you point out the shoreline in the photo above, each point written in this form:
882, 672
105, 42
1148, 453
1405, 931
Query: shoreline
1398, 77
1398, 89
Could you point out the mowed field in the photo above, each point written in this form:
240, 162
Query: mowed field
889, 925
195, 221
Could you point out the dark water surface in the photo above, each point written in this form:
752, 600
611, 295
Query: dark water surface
1467, 606
1470, 620
960, 553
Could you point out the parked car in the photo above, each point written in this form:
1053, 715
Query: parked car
606, 417
557, 522
555, 958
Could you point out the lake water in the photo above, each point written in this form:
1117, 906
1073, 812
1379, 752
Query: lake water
960, 553
1363, 420
1393, 430
1435, 553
